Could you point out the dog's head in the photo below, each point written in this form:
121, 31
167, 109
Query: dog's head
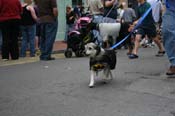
92, 49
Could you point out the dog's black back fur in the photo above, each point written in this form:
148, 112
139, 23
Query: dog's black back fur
109, 57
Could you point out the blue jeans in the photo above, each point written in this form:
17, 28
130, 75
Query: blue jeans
98, 19
168, 32
48, 35
0, 40
28, 36
69, 28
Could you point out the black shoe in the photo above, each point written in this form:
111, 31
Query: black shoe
51, 58
47, 59
133, 56
160, 53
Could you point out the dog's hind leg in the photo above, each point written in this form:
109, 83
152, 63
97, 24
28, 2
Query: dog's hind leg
110, 74
92, 81
96, 73
106, 73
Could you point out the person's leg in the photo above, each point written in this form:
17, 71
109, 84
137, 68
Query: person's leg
43, 41
32, 33
66, 33
134, 53
48, 36
96, 34
5, 28
168, 32
14, 49
51, 36
139, 33
24, 41
69, 28
129, 44
161, 51
152, 33
37, 37
136, 44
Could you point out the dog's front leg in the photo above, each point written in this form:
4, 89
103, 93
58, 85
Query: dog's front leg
91, 84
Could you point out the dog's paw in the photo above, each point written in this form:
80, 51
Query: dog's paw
104, 82
91, 86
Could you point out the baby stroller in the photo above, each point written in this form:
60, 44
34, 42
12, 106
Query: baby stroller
78, 38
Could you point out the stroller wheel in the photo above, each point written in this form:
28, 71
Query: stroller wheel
68, 53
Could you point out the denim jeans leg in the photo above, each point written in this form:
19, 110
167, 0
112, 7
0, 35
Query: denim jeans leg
66, 33
168, 32
48, 35
69, 28
32, 33
52, 31
98, 19
24, 41
99, 38
42, 42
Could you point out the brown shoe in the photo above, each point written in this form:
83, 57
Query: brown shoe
171, 71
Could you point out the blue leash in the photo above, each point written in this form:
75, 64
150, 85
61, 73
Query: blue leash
139, 22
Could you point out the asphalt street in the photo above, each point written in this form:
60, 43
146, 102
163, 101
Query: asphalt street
60, 88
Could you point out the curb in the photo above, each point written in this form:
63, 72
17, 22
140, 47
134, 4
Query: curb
58, 51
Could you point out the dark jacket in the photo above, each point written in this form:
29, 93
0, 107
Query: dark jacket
109, 57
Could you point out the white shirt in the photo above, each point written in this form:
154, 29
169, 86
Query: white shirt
95, 6
156, 9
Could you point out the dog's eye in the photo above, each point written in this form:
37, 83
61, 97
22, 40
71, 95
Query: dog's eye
90, 48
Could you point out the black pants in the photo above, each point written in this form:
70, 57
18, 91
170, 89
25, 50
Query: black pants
123, 33
10, 31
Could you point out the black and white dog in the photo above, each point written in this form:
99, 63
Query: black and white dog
100, 59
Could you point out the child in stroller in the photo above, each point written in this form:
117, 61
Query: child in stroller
79, 37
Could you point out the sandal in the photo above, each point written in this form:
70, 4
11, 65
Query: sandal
133, 56
160, 53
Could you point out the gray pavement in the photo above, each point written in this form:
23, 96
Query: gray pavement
60, 88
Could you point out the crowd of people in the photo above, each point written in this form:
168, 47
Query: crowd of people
29, 19
148, 28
